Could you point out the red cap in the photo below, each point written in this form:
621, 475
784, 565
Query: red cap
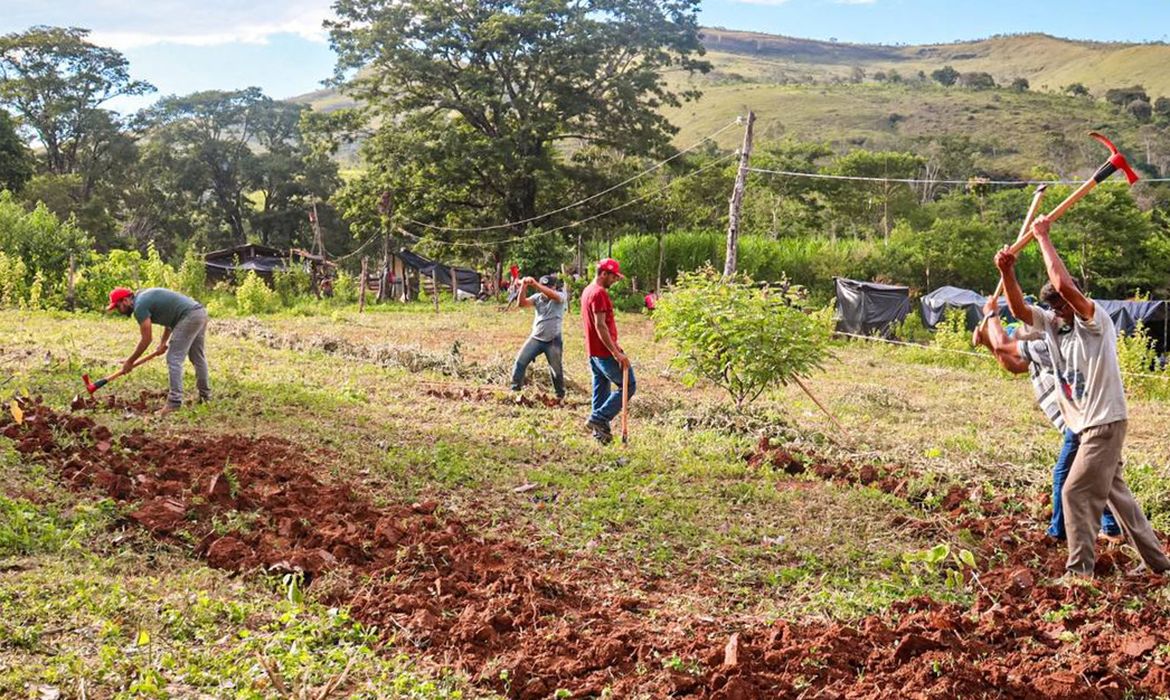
610, 265
117, 295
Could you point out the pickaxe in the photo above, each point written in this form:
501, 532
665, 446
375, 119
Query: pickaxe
94, 386
1116, 162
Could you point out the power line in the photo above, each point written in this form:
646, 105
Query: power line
974, 180
623, 183
587, 219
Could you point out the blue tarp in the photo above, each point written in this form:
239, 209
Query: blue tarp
1125, 314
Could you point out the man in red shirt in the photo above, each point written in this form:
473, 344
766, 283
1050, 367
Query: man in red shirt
606, 359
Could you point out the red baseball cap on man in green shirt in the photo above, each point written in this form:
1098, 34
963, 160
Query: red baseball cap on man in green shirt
117, 295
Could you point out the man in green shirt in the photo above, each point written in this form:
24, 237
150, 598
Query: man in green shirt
185, 324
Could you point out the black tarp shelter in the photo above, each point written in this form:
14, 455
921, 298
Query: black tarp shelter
1154, 315
261, 259
466, 279
868, 308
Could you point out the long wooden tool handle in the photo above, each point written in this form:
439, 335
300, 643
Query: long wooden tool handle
137, 364
1026, 227
625, 404
1056, 213
820, 405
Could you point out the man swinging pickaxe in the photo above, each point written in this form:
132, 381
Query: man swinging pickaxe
1115, 162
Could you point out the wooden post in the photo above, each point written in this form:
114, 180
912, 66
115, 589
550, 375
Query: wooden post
661, 257
732, 260
362, 288
454, 284
435, 285
69, 299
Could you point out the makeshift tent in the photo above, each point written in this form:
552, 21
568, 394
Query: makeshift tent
937, 303
261, 259
1154, 315
466, 279
868, 308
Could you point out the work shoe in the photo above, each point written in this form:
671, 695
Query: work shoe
601, 431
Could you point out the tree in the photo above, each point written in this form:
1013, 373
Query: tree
945, 76
56, 81
737, 336
1162, 107
1020, 85
16, 162
474, 99
873, 206
1141, 110
203, 138
977, 80
1123, 96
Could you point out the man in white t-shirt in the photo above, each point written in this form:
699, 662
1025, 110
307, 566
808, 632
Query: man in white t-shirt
1083, 343
549, 302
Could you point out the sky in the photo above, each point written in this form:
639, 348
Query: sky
182, 46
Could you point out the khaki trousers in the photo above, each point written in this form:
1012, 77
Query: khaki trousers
1093, 481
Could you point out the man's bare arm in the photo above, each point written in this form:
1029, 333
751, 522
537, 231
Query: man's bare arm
1058, 273
1006, 262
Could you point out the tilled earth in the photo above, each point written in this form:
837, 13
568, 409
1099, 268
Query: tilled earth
526, 622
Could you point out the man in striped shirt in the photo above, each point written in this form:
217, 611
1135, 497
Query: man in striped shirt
1033, 356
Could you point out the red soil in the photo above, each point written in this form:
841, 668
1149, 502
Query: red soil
487, 606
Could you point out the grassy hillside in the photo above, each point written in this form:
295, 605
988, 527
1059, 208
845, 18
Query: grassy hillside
814, 90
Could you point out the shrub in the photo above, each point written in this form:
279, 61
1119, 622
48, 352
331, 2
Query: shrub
118, 268
253, 296
42, 241
292, 283
13, 290
1139, 361
345, 287
191, 278
741, 338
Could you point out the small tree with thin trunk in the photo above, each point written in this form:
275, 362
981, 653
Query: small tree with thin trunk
738, 336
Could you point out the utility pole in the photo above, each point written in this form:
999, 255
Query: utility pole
732, 259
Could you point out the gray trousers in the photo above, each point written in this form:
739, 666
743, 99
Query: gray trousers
187, 341
1095, 480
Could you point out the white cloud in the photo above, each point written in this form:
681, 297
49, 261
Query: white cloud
128, 24
855, 2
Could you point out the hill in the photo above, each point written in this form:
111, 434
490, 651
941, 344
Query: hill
880, 97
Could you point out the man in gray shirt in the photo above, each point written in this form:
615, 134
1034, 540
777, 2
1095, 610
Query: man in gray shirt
1082, 341
549, 302
184, 321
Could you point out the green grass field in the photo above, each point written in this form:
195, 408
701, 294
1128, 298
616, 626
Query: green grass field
91, 606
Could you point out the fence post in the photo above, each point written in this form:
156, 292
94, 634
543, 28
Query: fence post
435, 285
70, 299
362, 288
732, 260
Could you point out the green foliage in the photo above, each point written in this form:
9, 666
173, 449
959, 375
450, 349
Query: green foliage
471, 102
952, 337
912, 329
1138, 360
16, 161
253, 296
292, 283
26, 528
42, 242
191, 279
345, 287
946, 75
13, 288
737, 336
118, 268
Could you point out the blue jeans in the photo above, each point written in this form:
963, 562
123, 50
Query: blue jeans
553, 350
1068, 453
607, 403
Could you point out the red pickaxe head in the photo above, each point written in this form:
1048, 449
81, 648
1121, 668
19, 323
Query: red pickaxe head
1116, 162
89, 386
